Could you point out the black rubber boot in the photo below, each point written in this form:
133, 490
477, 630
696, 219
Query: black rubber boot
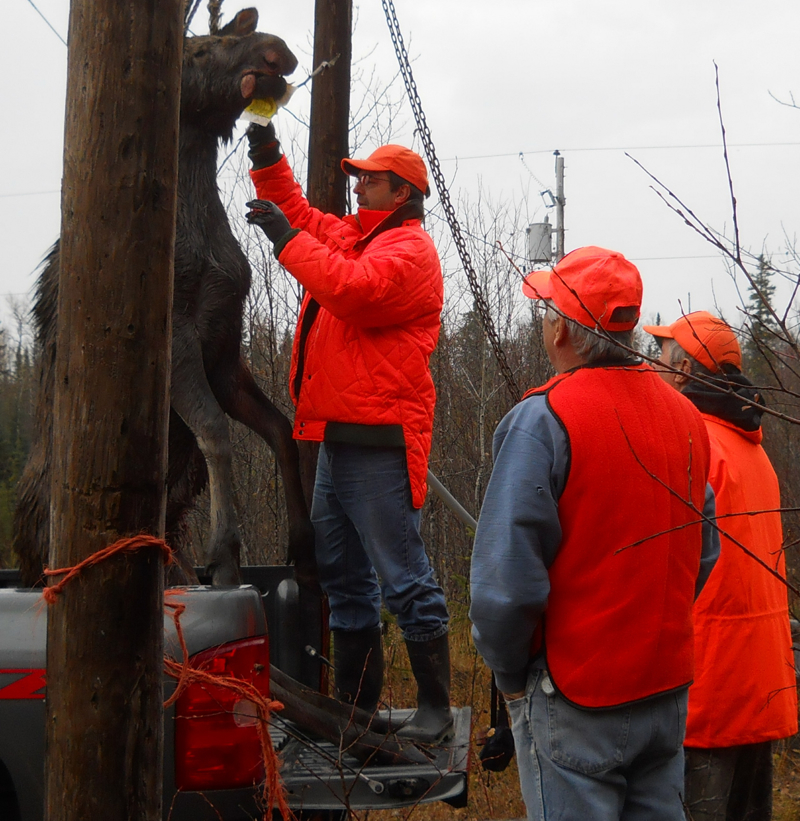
358, 667
432, 723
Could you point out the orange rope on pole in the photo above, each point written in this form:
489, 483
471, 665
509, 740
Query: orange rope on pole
273, 795
128, 545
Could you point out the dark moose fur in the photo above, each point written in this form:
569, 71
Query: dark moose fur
212, 278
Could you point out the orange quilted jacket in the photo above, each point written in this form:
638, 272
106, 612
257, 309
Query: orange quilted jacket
368, 324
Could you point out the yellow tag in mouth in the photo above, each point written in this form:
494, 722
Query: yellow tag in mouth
262, 111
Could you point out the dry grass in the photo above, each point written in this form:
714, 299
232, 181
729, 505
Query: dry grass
786, 793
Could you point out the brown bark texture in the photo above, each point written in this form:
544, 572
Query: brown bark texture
328, 143
330, 106
104, 739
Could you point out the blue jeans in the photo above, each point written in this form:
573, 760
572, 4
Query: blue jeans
368, 542
593, 765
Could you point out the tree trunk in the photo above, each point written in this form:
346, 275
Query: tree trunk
105, 634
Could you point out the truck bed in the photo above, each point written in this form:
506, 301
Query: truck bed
321, 781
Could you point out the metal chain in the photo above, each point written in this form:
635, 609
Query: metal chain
444, 196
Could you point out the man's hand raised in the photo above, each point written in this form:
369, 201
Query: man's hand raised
267, 216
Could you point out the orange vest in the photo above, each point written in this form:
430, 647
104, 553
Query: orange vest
618, 625
744, 690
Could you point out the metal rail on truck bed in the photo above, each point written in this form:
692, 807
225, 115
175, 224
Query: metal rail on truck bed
315, 772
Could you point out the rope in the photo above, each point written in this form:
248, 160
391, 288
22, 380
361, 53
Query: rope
444, 196
273, 795
130, 545
191, 10
214, 16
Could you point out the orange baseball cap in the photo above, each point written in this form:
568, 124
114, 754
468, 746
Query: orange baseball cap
593, 286
705, 337
403, 161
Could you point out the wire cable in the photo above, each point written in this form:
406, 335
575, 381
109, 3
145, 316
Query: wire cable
50, 25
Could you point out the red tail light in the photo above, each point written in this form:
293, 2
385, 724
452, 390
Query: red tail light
217, 746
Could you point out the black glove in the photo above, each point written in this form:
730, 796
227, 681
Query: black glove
265, 150
497, 750
267, 216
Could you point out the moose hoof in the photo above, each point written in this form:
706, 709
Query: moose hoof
224, 575
222, 557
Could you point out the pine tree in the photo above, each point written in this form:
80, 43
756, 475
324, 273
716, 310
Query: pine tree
761, 324
647, 344
17, 386
761, 327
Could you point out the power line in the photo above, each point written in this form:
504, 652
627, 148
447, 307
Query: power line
430, 212
48, 22
29, 193
520, 154
618, 148
660, 259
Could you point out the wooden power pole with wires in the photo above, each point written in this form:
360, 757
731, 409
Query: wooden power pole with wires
330, 106
328, 139
105, 633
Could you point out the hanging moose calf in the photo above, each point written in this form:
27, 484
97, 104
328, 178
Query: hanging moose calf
221, 74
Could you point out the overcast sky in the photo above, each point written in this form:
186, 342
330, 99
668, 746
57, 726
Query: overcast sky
590, 79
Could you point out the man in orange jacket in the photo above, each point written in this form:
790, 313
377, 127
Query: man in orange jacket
361, 383
744, 694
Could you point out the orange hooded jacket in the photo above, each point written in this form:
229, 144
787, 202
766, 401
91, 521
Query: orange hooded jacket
744, 689
369, 321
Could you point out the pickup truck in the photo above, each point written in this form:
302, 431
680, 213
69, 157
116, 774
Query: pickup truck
212, 761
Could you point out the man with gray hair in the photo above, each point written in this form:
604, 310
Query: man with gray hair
589, 554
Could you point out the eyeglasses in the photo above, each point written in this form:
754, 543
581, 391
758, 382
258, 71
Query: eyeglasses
370, 179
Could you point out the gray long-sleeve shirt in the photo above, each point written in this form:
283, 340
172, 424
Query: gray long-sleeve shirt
519, 534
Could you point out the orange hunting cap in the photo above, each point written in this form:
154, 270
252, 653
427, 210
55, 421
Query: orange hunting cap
403, 161
705, 337
593, 286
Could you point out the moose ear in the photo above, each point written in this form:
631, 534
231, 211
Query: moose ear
243, 24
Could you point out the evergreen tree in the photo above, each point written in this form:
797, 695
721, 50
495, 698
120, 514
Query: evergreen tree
17, 386
761, 327
647, 344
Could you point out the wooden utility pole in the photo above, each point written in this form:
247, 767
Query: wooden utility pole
330, 106
105, 634
328, 141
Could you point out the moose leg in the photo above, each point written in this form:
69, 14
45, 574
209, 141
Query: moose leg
194, 401
243, 400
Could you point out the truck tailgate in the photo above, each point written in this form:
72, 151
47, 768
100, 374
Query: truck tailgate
317, 776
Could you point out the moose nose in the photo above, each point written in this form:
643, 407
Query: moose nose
272, 60
278, 63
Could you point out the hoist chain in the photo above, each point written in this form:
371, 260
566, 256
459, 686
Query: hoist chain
444, 197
